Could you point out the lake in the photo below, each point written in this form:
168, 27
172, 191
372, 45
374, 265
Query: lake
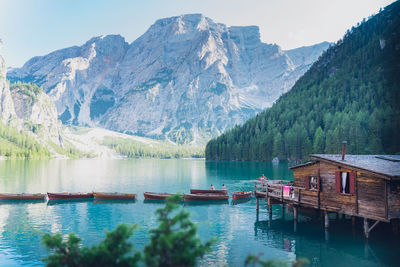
239, 228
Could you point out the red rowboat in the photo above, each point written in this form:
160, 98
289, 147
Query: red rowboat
66, 195
158, 196
208, 191
241, 194
6, 196
203, 197
102, 195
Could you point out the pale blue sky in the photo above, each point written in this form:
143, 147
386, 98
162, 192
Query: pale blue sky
36, 27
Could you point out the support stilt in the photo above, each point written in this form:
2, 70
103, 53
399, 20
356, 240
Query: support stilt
326, 234
326, 219
353, 221
269, 207
283, 210
295, 213
257, 204
368, 229
257, 216
366, 232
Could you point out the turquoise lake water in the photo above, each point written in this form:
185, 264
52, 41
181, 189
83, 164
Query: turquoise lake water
239, 229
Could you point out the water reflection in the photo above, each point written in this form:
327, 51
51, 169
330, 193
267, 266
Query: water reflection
238, 228
341, 243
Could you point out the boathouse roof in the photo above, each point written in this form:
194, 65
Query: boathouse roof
386, 165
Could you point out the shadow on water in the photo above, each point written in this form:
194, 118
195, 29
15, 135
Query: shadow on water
52, 202
206, 203
341, 244
114, 201
240, 201
21, 201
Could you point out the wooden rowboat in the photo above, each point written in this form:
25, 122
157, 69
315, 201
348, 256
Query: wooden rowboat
205, 197
208, 191
103, 195
66, 195
157, 196
23, 196
241, 194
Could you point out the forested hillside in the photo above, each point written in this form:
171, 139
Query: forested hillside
17, 144
351, 93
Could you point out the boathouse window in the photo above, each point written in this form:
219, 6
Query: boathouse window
345, 182
312, 182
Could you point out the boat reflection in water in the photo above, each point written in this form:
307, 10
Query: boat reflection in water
206, 202
240, 201
52, 202
114, 201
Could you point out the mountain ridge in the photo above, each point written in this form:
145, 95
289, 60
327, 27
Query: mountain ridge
186, 79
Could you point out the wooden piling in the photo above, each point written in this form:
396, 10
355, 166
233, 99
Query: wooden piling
269, 206
366, 228
295, 213
326, 219
257, 204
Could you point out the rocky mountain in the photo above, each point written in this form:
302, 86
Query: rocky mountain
36, 112
28, 120
185, 80
6, 104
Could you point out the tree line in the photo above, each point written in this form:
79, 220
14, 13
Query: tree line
136, 149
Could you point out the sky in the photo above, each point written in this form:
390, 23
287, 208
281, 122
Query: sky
31, 28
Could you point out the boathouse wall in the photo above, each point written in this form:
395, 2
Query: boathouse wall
394, 199
368, 198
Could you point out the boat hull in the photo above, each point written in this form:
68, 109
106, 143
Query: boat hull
69, 195
208, 191
22, 196
120, 196
241, 195
157, 196
205, 197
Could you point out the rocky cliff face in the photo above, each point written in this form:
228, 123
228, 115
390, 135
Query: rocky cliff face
36, 112
26, 107
7, 111
186, 79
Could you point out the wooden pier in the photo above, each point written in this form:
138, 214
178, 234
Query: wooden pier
360, 186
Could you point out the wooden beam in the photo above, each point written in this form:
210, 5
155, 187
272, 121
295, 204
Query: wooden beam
326, 219
372, 227
295, 213
366, 232
356, 193
386, 199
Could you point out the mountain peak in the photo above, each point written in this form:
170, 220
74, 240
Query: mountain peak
185, 23
180, 80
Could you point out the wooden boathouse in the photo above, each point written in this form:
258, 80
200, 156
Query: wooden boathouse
364, 186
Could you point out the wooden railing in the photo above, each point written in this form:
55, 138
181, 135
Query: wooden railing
275, 189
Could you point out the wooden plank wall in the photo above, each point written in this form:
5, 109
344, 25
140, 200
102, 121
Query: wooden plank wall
369, 200
301, 173
343, 203
371, 196
394, 200
309, 198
